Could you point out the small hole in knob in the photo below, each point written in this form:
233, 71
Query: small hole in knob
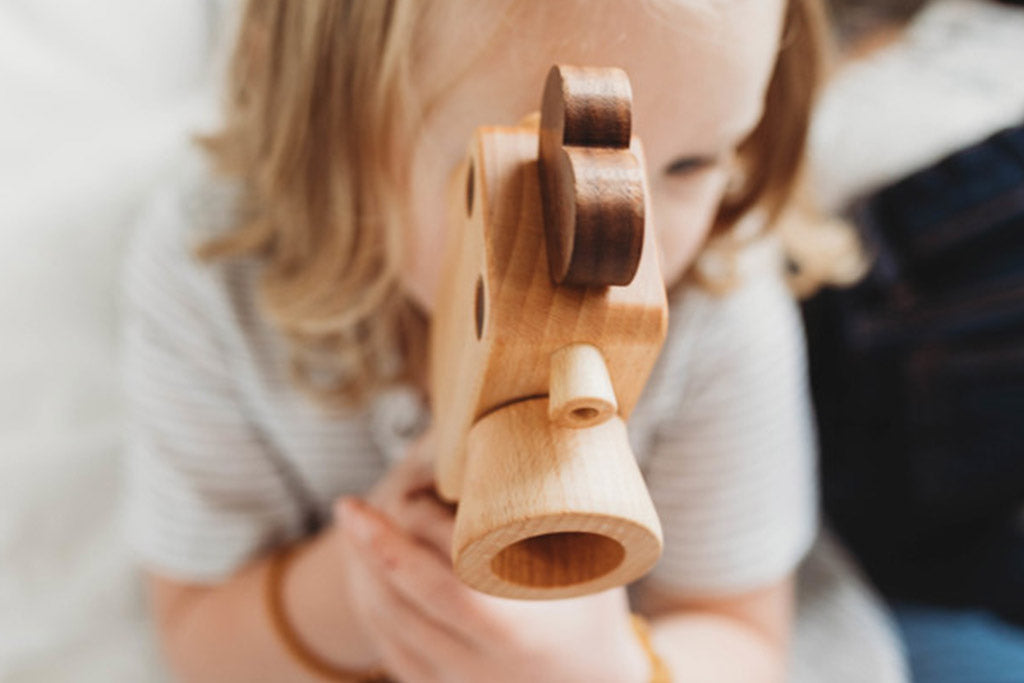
584, 414
469, 189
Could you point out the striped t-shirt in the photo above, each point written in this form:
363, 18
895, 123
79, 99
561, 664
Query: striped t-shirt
227, 459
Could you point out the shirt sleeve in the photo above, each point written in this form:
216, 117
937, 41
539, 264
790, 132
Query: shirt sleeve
204, 493
732, 471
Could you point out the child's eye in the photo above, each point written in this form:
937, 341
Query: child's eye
687, 165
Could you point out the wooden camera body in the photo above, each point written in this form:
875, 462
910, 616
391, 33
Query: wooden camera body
550, 316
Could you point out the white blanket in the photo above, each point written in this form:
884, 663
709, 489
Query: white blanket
952, 79
96, 97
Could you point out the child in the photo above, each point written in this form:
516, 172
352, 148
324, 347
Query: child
322, 235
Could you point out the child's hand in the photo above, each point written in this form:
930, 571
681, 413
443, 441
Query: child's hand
429, 626
406, 495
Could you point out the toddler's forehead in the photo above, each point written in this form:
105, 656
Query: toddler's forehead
500, 51
457, 28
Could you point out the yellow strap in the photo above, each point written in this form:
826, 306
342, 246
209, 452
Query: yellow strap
659, 672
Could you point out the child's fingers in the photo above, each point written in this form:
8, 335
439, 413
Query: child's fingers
402, 663
414, 646
423, 451
413, 474
417, 573
428, 519
403, 660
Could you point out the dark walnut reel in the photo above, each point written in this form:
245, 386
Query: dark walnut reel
592, 185
550, 316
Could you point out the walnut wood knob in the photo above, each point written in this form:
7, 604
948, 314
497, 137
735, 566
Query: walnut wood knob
592, 185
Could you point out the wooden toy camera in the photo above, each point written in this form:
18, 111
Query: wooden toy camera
550, 316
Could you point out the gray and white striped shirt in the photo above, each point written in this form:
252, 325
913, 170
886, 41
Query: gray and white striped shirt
227, 459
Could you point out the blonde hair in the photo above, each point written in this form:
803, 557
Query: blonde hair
319, 107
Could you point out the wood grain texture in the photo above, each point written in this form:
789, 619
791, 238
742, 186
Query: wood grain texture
592, 185
555, 512
501, 246
545, 510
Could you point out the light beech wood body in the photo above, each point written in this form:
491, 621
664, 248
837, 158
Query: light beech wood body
499, 258
498, 324
551, 511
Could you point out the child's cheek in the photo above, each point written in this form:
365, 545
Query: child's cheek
683, 215
427, 231
421, 274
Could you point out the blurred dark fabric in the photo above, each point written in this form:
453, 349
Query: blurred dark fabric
918, 378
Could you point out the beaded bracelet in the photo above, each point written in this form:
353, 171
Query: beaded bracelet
310, 661
659, 672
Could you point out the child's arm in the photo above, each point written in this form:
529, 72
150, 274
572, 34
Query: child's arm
742, 638
732, 470
429, 626
223, 633
425, 620
380, 582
